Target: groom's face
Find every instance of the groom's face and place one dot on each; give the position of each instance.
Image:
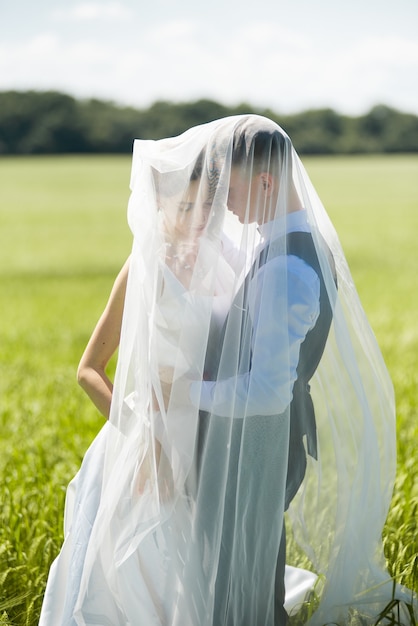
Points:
(240, 196)
(247, 196)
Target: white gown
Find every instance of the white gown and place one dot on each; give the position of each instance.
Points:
(145, 581)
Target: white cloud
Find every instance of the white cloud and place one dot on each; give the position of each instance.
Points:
(389, 50)
(46, 62)
(370, 71)
(266, 35)
(262, 63)
(89, 11)
(173, 32)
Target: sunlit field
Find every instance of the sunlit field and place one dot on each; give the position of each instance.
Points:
(64, 235)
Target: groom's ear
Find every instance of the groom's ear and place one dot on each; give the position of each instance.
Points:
(267, 183)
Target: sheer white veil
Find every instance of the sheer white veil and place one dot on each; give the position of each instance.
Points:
(198, 457)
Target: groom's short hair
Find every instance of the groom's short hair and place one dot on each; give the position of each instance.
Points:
(260, 151)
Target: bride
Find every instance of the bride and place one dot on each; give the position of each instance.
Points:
(248, 385)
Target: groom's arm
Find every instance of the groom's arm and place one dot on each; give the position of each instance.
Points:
(281, 319)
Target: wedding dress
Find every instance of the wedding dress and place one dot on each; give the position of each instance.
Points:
(149, 594)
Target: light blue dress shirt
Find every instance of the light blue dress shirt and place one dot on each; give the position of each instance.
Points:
(267, 388)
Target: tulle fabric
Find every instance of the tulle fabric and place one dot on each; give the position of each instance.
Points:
(196, 476)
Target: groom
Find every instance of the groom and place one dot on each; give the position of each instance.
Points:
(261, 181)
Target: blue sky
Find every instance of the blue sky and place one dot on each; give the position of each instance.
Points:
(289, 55)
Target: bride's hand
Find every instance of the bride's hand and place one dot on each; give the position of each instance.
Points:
(181, 387)
(155, 473)
(166, 374)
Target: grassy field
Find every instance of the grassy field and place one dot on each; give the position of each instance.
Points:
(63, 238)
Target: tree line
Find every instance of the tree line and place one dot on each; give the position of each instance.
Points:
(51, 122)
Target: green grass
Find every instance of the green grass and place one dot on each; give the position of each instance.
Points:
(63, 238)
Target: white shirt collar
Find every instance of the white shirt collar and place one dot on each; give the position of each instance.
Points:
(291, 222)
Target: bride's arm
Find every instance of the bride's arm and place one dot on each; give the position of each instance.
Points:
(91, 373)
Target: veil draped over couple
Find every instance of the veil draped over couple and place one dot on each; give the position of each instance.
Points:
(248, 460)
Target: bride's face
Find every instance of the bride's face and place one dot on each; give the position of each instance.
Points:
(186, 215)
